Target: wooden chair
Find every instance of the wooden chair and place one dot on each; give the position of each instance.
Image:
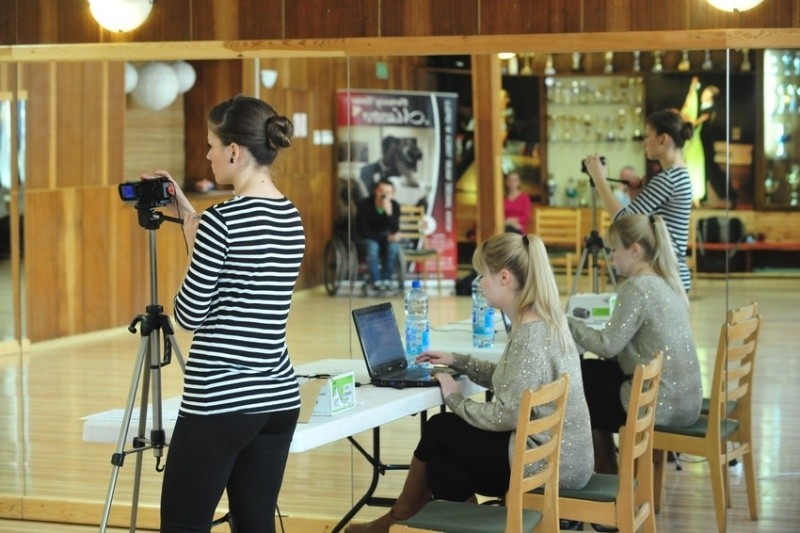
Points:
(711, 436)
(459, 517)
(560, 231)
(734, 316)
(413, 228)
(624, 501)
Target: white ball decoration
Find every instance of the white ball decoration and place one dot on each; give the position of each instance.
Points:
(186, 75)
(157, 87)
(131, 78)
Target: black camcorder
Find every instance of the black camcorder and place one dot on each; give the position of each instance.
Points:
(583, 164)
(148, 194)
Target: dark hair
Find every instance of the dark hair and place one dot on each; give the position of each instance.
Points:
(251, 123)
(671, 122)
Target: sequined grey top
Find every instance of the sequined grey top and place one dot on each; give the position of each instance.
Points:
(650, 317)
(532, 358)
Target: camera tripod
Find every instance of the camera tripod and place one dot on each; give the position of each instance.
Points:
(593, 246)
(147, 369)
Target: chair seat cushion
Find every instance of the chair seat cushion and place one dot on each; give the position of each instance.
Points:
(601, 488)
(457, 517)
(729, 406)
(699, 428)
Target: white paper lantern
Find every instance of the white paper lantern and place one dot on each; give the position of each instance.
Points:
(186, 75)
(735, 6)
(131, 78)
(120, 15)
(157, 87)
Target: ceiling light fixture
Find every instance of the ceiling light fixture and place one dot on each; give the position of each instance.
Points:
(734, 6)
(120, 15)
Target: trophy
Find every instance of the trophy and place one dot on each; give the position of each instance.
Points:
(771, 186)
(657, 66)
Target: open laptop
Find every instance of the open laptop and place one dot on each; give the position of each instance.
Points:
(384, 354)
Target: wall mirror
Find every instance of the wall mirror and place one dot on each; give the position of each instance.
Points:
(85, 466)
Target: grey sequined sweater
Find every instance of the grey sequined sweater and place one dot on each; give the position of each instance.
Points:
(649, 317)
(531, 359)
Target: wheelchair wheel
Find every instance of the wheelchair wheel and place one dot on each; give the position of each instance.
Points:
(334, 266)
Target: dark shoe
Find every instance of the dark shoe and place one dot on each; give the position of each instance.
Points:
(598, 527)
(570, 525)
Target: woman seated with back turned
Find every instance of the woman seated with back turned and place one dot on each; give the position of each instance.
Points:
(651, 315)
(467, 451)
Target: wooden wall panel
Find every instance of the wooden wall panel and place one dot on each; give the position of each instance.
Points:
(38, 80)
(543, 16)
(154, 140)
(69, 131)
(69, 21)
(261, 19)
(423, 17)
(328, 19)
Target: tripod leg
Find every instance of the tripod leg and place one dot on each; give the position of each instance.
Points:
(610, 269)
(579, 271)
(137, 476)
(119, 456)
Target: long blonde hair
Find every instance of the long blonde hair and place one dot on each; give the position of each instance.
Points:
(526, 258)
(651, 234)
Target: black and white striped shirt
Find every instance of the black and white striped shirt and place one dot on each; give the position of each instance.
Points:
(669, 194)
(236, 299)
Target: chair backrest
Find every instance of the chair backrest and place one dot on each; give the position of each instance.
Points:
(742, 313)
(636, 442)
(733, 371)
(412, 223)
(548, 453)
(559, 228)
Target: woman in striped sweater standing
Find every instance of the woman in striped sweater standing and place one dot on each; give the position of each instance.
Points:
(668, 193)
(240, 398)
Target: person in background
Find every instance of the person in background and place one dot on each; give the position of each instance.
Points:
(651, 315)
(516, 204)
(378, 227)
(241, 397)
(628, 175)
(467, 451)
(668, 193)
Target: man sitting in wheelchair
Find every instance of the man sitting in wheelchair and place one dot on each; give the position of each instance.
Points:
(378, 228)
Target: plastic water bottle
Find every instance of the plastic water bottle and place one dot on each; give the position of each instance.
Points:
(417, 323)
(482, 318)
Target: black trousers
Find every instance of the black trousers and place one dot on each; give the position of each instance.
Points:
(245, 454)
(602, 379)
(463, 460)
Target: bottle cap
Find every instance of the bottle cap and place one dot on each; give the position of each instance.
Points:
(416, 284)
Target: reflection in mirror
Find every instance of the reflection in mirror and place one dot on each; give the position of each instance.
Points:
(320, 326)
(12, 442)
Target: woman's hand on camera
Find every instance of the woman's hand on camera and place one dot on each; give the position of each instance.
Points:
(595, 167)
(436, 358)
(181, 207)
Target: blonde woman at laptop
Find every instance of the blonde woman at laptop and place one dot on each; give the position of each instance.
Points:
(466, 452)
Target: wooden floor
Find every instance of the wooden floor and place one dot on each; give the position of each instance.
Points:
(62, 479)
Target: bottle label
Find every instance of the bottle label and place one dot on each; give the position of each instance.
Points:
(482, 326)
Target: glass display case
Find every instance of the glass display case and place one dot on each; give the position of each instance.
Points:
(591, 114)
(779, 187)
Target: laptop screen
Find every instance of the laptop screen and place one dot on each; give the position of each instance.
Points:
(379, 336)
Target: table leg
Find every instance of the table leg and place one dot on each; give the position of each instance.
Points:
(378, 469)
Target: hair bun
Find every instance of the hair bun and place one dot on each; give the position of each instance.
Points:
(278, 131)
